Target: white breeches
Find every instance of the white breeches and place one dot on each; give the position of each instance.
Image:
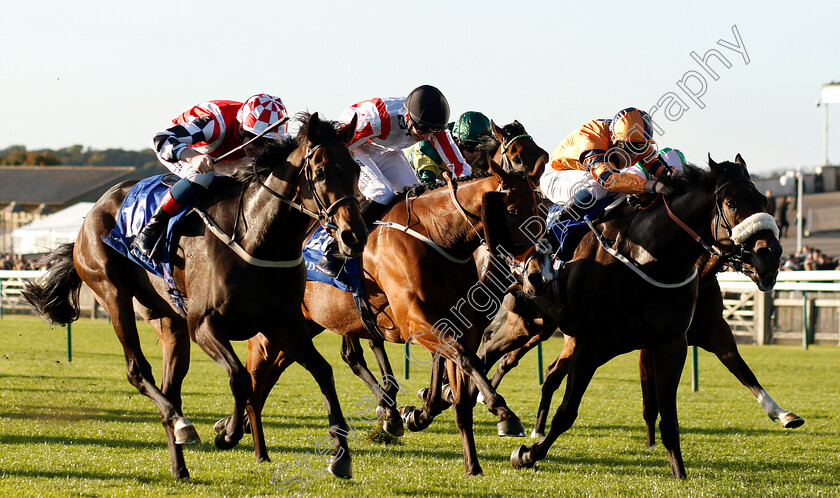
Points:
(185, 170)
(384, 172)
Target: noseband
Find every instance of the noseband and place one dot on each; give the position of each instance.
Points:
(325, 213)
(738, 234)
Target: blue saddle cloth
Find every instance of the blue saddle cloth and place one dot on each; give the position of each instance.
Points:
(349, 278)
(569, 232)
(137, 208)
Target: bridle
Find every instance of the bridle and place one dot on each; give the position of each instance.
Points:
(505, 145)
(325, 214)
(735, 256)
(515, 262)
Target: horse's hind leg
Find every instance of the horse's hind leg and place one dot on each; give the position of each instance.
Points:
(650, 405)
(553, 378)
(582, 367)
(463, 408)
(668, 363)
(175, 346)
(179, 430)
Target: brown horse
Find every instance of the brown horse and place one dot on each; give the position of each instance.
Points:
(636, 310)
(229, 294)
(412, 287)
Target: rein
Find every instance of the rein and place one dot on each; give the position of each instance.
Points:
(324, 214)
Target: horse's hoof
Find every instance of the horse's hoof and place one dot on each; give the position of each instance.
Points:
(341, 467)
(181, 474)
(535, 434)
(446, 394)
(480, 398)
(511, 427)
(791, 421)
(223, 443)
(185, 433)
(394, 427)
(246, 425)
(519, 459)
(263, 459)
(422, 393)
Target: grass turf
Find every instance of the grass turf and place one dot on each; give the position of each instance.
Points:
(80, 429)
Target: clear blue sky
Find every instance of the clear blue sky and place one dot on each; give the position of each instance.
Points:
(111, 74)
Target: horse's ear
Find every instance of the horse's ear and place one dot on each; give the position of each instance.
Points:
(496, 131)
(348, 131)
(517, 123)
(497, 170)
(740, 160)
(313, 128)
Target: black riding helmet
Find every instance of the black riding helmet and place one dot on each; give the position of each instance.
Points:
(427, 108)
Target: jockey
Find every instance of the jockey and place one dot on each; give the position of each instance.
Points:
(469, 131)
(384, 128)
(595, 161)
(190, 145)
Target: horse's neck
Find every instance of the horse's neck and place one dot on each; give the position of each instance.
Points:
(443, 221)
(267, 225)
(659, 244)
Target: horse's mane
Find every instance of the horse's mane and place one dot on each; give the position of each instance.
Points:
(278, 150)
(692, 176)
(420, 188)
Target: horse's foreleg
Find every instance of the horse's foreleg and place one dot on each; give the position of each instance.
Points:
(351, 353)
(553, 378)
(463, 408)
(300, 346)
(212, 340)
(718, 339)
(668, 363)
(650, 405)
(582, 367)
(392, 422)
(433, 404)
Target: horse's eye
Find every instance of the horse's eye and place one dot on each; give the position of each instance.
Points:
(731, 204)
(320, 174)
(517, 159)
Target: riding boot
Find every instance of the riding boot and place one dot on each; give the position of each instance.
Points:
(147, 241)
(331, 262)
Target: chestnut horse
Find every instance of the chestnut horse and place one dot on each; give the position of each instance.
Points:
(414, 290)
(229, 294)
(635, 310)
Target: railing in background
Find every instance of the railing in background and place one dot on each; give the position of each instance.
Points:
(804, 307)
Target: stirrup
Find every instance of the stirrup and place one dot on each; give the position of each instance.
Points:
(330, 264)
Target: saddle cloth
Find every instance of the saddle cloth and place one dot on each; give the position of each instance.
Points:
(138, 207)
(349, 279)
(569, 232)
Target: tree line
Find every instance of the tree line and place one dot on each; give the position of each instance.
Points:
(77, 155)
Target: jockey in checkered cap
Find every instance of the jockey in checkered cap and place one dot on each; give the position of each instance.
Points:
(194, 139)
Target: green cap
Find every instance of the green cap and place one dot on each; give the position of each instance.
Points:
(472, 126)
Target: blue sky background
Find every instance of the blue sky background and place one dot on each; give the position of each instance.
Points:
(111, 74)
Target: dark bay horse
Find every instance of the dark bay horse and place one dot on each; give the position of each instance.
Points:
(708, 330)
(421, 295)
(228, 295)
(606, 309)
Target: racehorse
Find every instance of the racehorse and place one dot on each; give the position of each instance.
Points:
(512, 147)
(229, 294)
(606, 309)
(412, 286)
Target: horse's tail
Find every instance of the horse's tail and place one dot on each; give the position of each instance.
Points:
(55, 297)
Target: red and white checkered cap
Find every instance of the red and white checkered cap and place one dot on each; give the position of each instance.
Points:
(260, 111)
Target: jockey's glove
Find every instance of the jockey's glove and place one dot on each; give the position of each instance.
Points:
(657, 187)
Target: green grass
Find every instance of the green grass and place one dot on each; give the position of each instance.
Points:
(80, 429)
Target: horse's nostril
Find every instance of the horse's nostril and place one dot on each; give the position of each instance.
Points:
(351, 239)
(536, 279)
